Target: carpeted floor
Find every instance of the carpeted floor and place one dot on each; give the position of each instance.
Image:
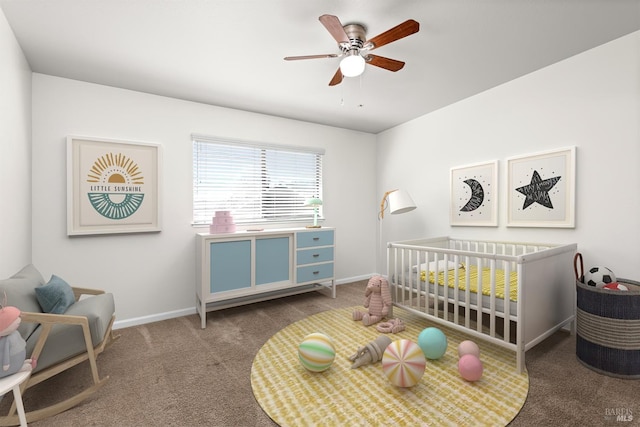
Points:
(172, 373)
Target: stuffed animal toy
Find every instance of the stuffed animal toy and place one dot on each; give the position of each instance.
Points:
(377, 300)
(371, 352)
(392, 326)
(12, 345)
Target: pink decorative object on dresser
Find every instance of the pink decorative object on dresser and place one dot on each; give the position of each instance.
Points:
(222, 222)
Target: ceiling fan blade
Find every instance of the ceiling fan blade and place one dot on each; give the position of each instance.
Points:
(386, 63)
(399, 31)
(333, 25)
(337, 78)
(295, 58)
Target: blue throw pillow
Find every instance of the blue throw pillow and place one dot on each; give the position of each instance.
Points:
(56, 296)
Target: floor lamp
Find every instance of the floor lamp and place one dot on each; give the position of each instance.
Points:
(398, 202)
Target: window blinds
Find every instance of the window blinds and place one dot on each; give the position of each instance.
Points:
(257, 182)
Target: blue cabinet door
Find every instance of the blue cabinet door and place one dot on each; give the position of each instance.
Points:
(230, 265)
(272, 260)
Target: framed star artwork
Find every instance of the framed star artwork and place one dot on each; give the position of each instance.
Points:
(541, 189)
(474, 195)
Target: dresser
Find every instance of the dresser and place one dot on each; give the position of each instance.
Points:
(249, 266)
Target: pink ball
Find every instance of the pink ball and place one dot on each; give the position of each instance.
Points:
(468, 347)
(470, 367)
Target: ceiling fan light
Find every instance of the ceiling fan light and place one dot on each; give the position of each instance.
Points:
(352, 65)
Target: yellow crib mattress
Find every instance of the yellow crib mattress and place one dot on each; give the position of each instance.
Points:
(473, 281)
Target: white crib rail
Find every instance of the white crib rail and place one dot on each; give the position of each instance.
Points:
(456, 308)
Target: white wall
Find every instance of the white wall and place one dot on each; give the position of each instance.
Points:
(15, 154)
(155, 273)
(591, 101)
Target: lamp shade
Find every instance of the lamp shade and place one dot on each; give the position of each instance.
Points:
(352, 65)
(400, 202)
(313, 202)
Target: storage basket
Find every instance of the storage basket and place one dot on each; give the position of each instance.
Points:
(608, 329)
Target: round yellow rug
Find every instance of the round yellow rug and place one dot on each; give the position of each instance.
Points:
(341, 396)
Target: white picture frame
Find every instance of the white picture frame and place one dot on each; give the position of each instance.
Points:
(113, 186)
(474, 195)
(541, 189)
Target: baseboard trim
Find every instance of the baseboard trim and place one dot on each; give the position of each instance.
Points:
(143, 320)
(137, 321)
(353, 279)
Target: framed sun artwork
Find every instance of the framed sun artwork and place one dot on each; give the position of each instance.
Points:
(112, 186)
(541, 189)
(474, 195)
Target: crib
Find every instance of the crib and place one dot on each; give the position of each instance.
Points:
(511, 294)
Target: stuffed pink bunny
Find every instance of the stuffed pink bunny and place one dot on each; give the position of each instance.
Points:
(377, 300)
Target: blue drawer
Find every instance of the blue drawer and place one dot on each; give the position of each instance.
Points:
(311, 256)
(315, 273)
(307, 239)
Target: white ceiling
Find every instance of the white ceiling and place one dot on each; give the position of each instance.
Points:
(230, 52)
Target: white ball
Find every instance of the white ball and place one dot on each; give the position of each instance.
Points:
(468, 347)
(599, 276)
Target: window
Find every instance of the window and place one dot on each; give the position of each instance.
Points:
(257, 182)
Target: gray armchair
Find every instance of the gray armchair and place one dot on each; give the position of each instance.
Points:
(71, 334)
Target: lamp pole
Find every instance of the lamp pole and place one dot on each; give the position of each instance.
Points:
(398, 203)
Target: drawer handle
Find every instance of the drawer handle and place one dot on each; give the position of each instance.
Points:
(316, 272)
(316, 255)
(316, 238)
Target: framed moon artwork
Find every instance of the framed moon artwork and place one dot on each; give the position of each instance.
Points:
(112, 186)
(541, 189)
(474, 195)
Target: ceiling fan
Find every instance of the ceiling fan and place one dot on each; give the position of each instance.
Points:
(355, 48)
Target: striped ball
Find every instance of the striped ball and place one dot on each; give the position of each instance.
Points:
(403, 363)
(316, 352)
